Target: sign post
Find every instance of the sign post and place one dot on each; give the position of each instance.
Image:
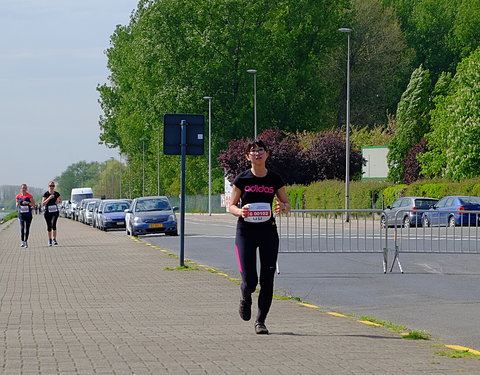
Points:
(183, 135)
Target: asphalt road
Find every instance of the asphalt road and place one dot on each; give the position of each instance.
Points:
(438, 293)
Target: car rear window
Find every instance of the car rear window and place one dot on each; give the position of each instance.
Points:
(425, 202)
(470, 200)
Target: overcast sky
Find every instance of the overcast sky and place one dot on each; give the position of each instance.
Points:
(51, 61)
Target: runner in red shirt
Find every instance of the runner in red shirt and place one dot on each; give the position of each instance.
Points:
(24, 203)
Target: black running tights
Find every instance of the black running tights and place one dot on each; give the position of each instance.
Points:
(248, 238)
(25, 221)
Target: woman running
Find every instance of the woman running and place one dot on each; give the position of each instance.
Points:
(253, 194)
(24, 203)
(50, 200)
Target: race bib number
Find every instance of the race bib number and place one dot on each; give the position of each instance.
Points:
(24, 209)
(258, 212)
(53, 208)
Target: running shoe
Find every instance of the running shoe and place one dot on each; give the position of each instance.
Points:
(50, 243)
(55, 242)
(23, 244)
(26, 244)
(245, 308)
(260, 329)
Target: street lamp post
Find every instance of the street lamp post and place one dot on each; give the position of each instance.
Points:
(347, 130)
(158, 161)
(209, 98)
(254, 72)
(143, 166)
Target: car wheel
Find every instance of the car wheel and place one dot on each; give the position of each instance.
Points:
(172, 233)
(425, 221)
(383, 221)
(126, 230)
(451, 221)
(406, 222)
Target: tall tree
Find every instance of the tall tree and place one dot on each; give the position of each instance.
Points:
(174, 52)
(456, 118)
(380, 63)
(412, 121)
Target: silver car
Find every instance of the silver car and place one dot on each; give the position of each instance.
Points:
(402, 211)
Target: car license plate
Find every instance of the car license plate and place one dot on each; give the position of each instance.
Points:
(120, 223)
(156, 225)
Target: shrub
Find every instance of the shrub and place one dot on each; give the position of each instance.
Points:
(411, 164)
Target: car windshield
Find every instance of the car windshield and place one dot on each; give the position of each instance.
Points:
(425, 202)
(152, 205)
(470, 200)
(116, 207)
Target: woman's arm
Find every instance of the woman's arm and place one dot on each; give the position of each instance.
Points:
(235, 198)
(282, 205)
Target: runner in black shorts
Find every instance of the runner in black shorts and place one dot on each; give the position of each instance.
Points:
(252, 198)
(50, 200)
(24, 203)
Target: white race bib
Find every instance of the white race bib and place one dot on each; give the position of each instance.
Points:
(24, 209)
(52, 208)
(258, 212)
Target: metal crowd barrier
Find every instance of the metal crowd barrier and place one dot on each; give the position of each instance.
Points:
(362, 231)
(436, 234)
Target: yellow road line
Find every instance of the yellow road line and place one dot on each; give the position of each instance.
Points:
(369, 323)
(308, 305)
(336, 314)
(458, 347)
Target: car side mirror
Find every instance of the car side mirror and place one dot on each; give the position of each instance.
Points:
(175, 208)
(389, 207)
(128, 211)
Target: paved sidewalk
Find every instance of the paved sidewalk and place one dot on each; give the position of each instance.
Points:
(101, 303)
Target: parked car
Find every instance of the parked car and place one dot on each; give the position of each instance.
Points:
(148, 215)
(111, 214)
(447, 212)
(89, 212)
(407, 218)
(81, 208)
(94, 213)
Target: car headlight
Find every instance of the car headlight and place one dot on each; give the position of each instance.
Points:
(172, 218)
(108, 219)
(138, 220)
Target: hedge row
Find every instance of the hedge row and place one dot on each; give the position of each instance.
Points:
(330, 194)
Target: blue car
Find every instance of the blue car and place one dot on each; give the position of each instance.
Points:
(148, 215)
(448, 212)
(111, 214)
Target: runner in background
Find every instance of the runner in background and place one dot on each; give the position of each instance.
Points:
(24, 203)
(253, 195)
(50, 200)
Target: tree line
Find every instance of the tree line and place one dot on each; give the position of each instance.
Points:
(173, 53)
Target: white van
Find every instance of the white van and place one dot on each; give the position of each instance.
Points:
(75, 198)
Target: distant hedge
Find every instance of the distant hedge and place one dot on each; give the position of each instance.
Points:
(330, 194)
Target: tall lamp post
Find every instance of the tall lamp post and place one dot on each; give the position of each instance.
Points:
(254, 72)
(158, 160)
(209, 98)
(143, 166)
(347, 130)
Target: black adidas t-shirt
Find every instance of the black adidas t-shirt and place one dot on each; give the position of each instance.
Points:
(257, 189)
(51, 206)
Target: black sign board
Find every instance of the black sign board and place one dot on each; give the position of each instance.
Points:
(172, 135)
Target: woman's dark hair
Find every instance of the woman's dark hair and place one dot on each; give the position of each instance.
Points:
(255, 142)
